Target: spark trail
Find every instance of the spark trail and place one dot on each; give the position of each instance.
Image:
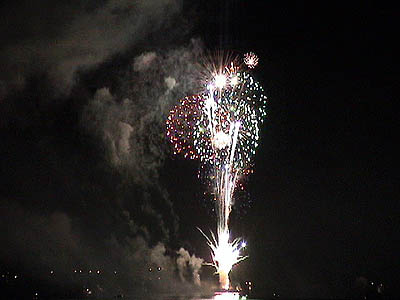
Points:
(220, 127)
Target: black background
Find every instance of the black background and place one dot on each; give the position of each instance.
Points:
(322, 206)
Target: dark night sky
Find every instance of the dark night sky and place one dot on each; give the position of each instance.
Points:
(321, 211)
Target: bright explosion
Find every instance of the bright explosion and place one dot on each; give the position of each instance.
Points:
(220, 127)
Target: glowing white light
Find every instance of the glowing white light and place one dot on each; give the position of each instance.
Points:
(220, 80)
(225, 255)
(234, 80)
(221, 140)
(244, 244)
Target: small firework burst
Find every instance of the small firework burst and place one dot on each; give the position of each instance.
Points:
(251, 60)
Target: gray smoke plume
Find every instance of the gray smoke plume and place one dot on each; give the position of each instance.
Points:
(67, 255)
(88, 197)
(132, 126)
(187, 263)
(62, 37)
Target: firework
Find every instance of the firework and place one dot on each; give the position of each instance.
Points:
(251, 60)
(225, 254)
(220, 127)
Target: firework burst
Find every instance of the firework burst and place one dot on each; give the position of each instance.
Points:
(220, 127)
(251, 60)
(225, 254)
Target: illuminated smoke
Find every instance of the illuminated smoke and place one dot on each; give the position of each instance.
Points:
(187, 263)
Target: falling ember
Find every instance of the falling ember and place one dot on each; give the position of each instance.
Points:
(251, 60)
(220, 127)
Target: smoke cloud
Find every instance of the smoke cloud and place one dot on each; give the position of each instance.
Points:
(82, 192)
(63, 37)
(68, 257)
(144, 61)
(132, 125)
(103, 207)
(186, 262)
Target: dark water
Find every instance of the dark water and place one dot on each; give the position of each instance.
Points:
(174, 298)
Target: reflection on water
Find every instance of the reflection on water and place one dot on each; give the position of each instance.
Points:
(231, 295)
(227, 296)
